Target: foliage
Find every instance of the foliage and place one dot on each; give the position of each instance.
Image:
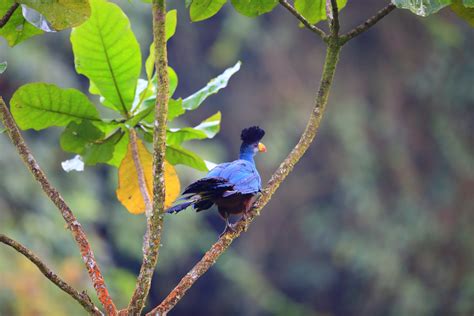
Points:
(107, 53)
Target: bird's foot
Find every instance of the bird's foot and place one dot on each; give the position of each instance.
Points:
(228, 228)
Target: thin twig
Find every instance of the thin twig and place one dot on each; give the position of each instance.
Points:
(312, 127)
(305, 22)
(368, 23)
(81, 298)
(57, 199)
(4, 20)
(152, 239)
(332, 14)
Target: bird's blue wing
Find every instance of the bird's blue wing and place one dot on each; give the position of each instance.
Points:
(241, 173)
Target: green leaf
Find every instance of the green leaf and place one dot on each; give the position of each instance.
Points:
(111, 151)
(17, 29)
(107, 52)
(172, 80)
(422, 7)
(41, 105)
(76, 136)
(463, 12)
(3, 67)
(207, 129)
(204, 9)
(179, 155)
(61, 14)
(254, 8)
(175, 109)
(171, 22)
(194, 101)
(315, 10)
(468, 3)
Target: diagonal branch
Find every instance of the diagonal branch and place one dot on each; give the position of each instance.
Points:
(81, 298)
(57, 199)
(152, 239)
(4, 20)
(368, 23)
(312, 127)
(305, 22)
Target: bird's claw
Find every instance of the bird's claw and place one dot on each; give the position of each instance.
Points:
(228, 228)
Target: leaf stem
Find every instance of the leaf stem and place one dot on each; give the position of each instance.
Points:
(312, 127)
(81, 298)
(53, 194)
(4, 20)
(152, 239)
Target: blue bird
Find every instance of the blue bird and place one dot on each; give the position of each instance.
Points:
(232, 186)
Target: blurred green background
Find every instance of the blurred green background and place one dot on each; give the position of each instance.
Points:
(377, 218)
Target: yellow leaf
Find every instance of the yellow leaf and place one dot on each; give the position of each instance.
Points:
(128, 191)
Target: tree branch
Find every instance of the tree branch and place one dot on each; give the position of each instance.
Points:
(81, 298)
(57, 199)
(302, 19)
(368, 24)
(4, 20)
(332, 13)
(312, 127)
(152, 239)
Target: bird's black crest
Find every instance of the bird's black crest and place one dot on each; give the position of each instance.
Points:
(252, 134)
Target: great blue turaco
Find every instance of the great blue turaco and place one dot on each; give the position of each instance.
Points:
(232, 186)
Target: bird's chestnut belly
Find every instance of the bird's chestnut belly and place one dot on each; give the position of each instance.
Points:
(234, 204)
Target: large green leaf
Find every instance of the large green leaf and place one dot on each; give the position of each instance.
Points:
(17, 29)
(179, 155)
(107, 52)
(463, 12)
(254, 7)
(207, 129)
(59, 13)
(315, 10)
(41, 105)
(204, 9)
(194, 101)
(422, 7)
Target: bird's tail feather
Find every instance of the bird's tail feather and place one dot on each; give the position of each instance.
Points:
(178, 208)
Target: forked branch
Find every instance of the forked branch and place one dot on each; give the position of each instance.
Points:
(81, 298)
(71, 221)
(312, 127)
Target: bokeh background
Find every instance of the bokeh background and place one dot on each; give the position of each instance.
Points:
(377, 218)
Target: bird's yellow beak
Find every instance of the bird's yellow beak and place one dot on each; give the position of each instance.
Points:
(262, 148)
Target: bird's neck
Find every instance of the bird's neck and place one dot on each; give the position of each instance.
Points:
(247, 156)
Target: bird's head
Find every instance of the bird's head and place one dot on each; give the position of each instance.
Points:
(251, 142)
